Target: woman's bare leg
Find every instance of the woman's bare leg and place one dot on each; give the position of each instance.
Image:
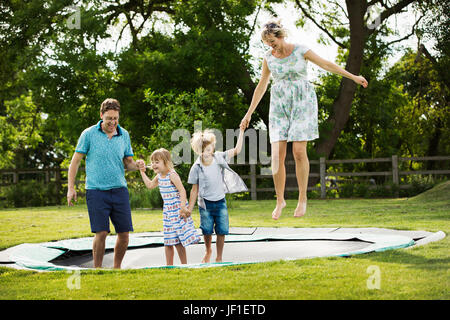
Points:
(279, 175)
(302, 173)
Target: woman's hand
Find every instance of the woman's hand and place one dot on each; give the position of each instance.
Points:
(361, 80)
(245, 122)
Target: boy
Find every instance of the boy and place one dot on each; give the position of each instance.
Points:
(211, 178)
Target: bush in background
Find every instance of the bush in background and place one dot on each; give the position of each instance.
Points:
(141, 197)
(31, 194)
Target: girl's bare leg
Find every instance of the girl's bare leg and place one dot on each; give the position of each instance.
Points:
(169, 255)
(181, 253)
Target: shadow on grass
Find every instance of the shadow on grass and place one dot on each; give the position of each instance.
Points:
(408, 258)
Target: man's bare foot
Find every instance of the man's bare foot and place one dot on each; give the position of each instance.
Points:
(207, 257)
(277, 211)
(300, 210)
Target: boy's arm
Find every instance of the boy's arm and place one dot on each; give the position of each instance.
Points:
(237, 149)
(193, 197)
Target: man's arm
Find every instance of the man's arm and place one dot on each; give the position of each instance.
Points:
(73, 169)
(130, 164)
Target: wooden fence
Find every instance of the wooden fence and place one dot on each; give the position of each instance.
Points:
(11, 176)
(324, 174)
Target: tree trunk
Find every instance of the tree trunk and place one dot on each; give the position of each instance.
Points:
(343, 102)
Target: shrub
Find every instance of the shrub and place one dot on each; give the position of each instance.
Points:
(31, 194)
(346, 190)
(145, 198)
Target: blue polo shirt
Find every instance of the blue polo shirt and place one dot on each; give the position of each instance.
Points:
(104, 157)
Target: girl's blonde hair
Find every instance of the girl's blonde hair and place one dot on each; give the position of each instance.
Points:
(275, 28)
(164, 156)
(200, 140)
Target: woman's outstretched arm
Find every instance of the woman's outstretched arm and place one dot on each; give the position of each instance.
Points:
(334, 68)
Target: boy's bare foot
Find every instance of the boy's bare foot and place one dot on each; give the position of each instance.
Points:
(300, 210)
(277, 211)
(207, 257)
(218, 259)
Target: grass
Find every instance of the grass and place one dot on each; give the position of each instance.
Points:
(417, 273)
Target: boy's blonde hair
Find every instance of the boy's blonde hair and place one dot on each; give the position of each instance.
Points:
(200, 140)
(164, 156)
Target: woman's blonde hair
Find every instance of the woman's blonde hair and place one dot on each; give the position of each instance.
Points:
(200, 140)
(164, 156)
(275, 28)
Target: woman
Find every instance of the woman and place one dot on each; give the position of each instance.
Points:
(293, 107)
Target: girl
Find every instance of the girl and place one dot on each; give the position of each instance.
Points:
(179, 230)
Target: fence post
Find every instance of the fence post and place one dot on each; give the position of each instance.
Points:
(58, 183)
(323, 186)
(16, 176)
(253, 182)
(47, 175)
(395, 178)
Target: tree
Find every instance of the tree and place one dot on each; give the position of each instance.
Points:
(20, 131)
(424, 122)
(68, 75)
(207, 49)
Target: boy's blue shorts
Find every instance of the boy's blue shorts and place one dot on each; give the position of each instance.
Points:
(105, 204)
(215, 216)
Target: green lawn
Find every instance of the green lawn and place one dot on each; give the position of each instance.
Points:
(418, 273)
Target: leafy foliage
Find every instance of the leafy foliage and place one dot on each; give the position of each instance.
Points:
(197, 68)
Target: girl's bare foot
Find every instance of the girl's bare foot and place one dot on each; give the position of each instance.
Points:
(300, 210)
(277, 211)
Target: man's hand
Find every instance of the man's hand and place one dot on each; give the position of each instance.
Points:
(71, 194)
(141, 165)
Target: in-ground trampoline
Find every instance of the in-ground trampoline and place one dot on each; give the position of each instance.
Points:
(243, 245)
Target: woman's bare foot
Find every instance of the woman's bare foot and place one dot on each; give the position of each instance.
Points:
(277, 211)
(300, 210)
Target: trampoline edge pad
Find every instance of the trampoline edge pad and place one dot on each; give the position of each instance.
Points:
(38, 256)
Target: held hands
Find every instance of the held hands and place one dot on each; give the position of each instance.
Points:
(185, 213)
(141, 165)
(245, 122)
(361, 80)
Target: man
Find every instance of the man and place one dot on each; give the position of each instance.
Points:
(108, 153)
